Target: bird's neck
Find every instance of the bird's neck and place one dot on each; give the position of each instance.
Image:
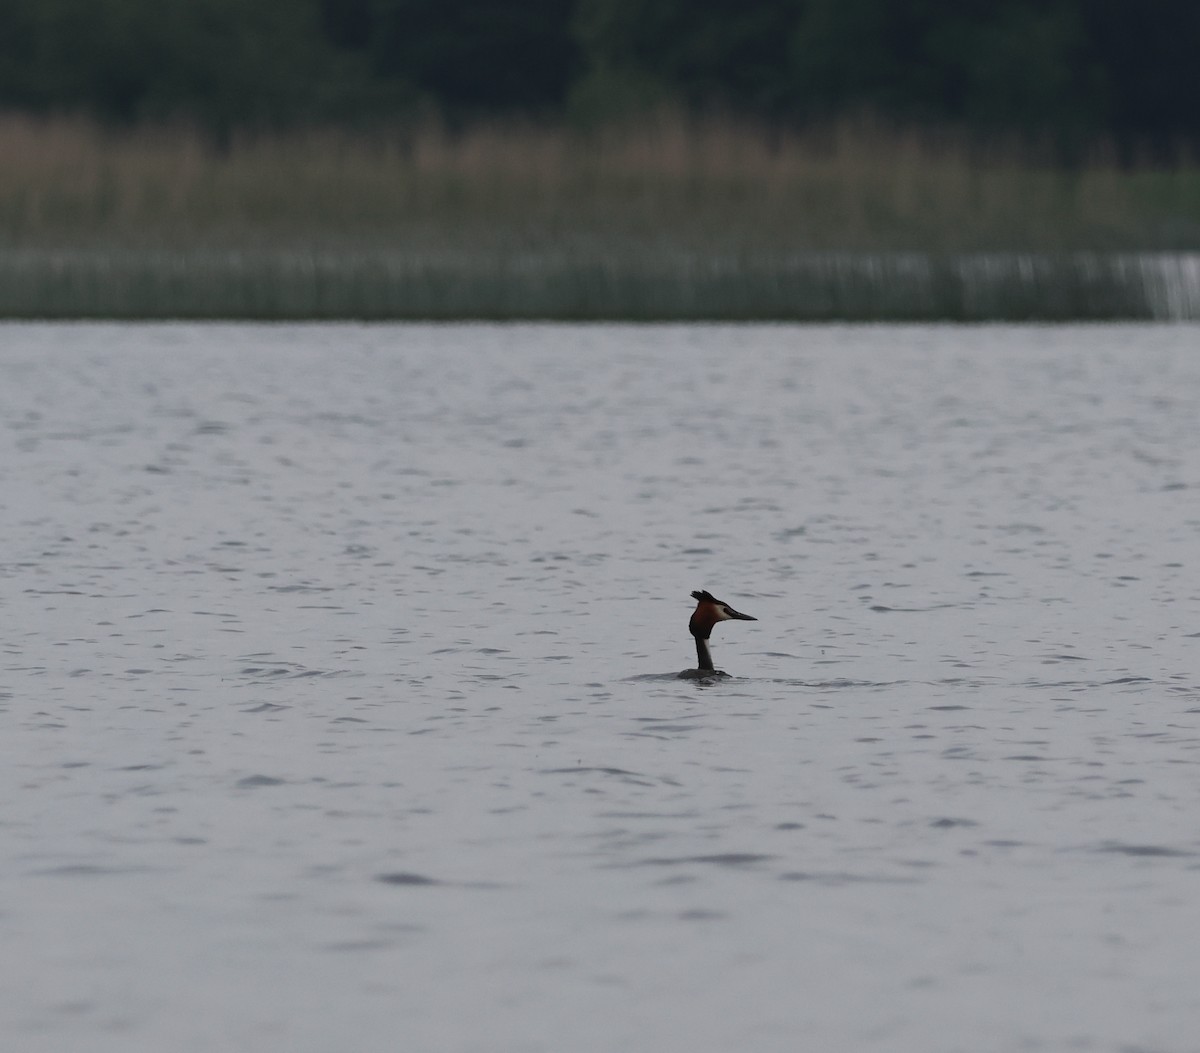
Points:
(703, 658)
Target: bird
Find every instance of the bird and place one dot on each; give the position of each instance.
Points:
(709, 610)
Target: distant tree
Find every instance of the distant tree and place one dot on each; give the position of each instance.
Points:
(1015, 65)
(1074, 68)
(21, 35)
(251, 62)
(707, 52)
(223, 63)
(1148, 55)
(477, 54)
(348, 23)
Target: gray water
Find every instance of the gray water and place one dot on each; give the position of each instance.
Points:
(340, 711)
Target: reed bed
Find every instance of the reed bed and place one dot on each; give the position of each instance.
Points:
(133, 284)
(665, 218)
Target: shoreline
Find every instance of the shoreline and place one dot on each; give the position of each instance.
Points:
(393, 285)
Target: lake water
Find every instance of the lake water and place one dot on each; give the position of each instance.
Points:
(340, 712)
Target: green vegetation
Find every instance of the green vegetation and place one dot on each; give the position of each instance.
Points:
(808, 287)
(1069, 69)
(598, 158)
(669, 185)
(666, 218)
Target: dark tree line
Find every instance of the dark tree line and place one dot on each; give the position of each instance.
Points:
(1127, 68)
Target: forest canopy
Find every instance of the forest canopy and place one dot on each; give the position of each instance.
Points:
(1083, 68)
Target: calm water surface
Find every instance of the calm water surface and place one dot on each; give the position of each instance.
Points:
(339, 709)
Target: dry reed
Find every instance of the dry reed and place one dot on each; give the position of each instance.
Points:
(714, 186)
(669, 218)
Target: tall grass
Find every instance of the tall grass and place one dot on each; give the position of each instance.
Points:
(707, 212)
(715, 184)
(133, 284)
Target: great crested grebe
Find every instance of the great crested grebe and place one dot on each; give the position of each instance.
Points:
(709, 610)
